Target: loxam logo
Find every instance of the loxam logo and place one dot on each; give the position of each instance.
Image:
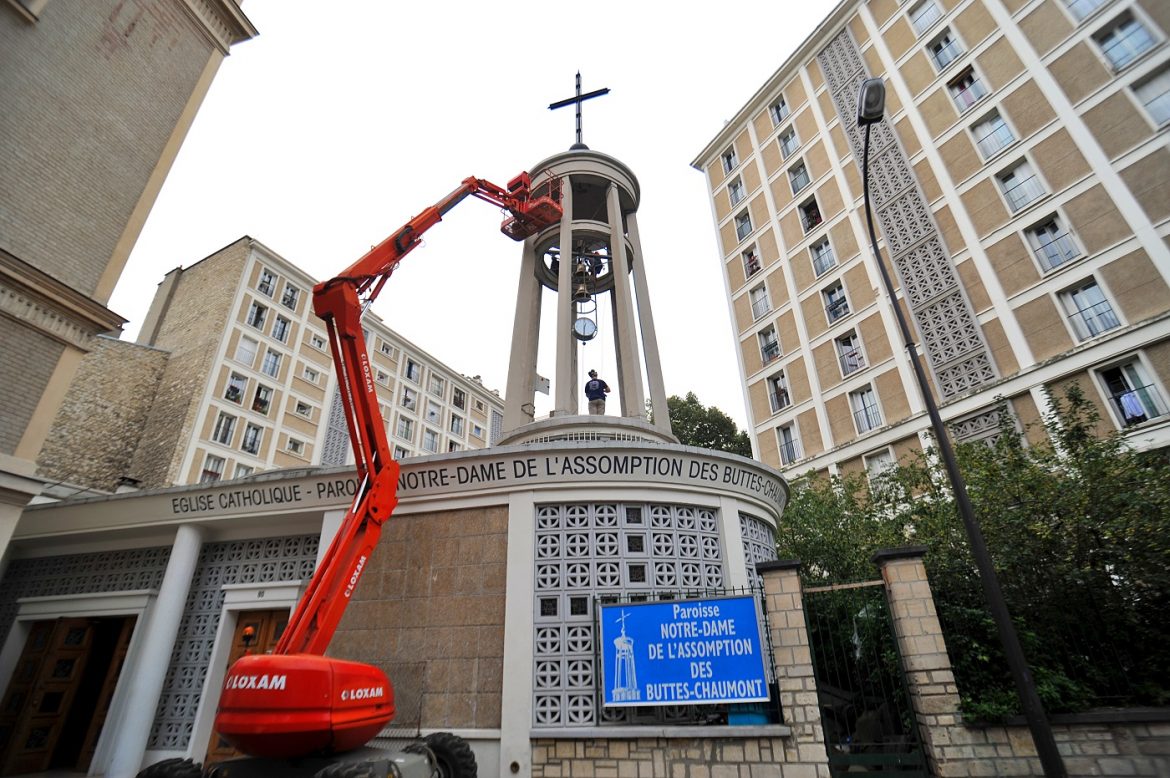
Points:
(367, 693)
(357, 573)
(366, 373)
(272, 682)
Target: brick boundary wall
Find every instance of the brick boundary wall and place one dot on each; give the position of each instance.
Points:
(1099, 747)
(796, 751)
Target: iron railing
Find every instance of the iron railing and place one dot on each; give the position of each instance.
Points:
(1094, 320)
(1056, 250)
(779, 399)
(1139, 404)
(867, 418)
(770, 351)
(837, 308)
(1023, 192)
(997, 138)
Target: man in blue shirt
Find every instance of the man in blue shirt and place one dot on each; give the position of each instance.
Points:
(596, 390)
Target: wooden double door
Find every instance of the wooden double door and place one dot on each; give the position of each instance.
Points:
(60, 693)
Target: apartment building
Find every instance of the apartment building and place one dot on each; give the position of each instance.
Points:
(1019, 184)
(240, 378)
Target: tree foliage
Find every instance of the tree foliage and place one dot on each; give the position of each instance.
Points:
(706, 426)
(1078, 527)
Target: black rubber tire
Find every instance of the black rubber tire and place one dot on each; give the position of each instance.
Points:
(455, 758)
(172, 768)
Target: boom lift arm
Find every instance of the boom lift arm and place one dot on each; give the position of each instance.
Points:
(320, 712)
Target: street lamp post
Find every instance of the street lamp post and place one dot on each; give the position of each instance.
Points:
(870, 107)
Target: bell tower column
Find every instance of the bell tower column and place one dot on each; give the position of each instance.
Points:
(566, 377)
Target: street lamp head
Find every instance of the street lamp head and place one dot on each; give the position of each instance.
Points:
(871, 101)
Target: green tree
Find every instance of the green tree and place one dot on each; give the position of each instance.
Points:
(706, 426)
(1079, 529)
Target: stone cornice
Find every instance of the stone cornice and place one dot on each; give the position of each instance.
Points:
(221, 22)
(41, 302)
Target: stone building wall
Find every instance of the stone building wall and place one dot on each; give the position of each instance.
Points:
(1093, 744)
(101, 421)
(29, 358)
(192, 332)
(429, 611)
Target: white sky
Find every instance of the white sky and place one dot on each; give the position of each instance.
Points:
(341, 121)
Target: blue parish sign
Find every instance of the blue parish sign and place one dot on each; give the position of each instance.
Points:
(682, 652)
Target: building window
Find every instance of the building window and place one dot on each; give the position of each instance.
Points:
(212, 469)
(235, 388)
(966, 90)
(743, 225)
(822, 257)
(400, 452)
(434, 412)
(1132, 394)
(317, 342)
(246, 350)
(310, 375)
(1081, 9)
(788, 143)
(405, 428)
(267, 282)
(1124, 41)
(760, 303)
(944, 50)
(849, 353)
(476, 430)
(453, 446)
(1052, 243)
(413, 371)
(262, 399)
(243, 471)
(751, 262)
(1020, 186)
(430, 440)
(304, 409)
(789, 445)
(865, 410)
(459, 398)
(225, 426)
(769, 345)
(436, 385)
(478, 406)
(836, 304)
(290, 296)
(1089, 310)
(992, 135)
(735, 191)
(877, 463)
(810, 215)
(924, 15)
(271, 365)
(256, 315)
(387, 349)
(409, 398)
(253, 434)
(778, 392)
(456, 425)
(779, 111)
(281, 328)
(382, 377)
(295, 446)
(1155, 96)
(730, 160)
(798, 177)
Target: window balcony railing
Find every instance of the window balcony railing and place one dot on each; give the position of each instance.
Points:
(1056, 250)
(868, 418)
(799, 180)
(969, 95)
(851, 361)
(770, 351)
(1139, 404)
(1094, 320)
(837, 309)
(788, 146)
(789, 452)
(810, 218)
(1082, 8)
(1023, 192)
(751, 266)
(736, 194)
(760, 306)
(927, 16)
(996, 140)
(1129, 42)
(945, 55)
(823, 261)
(743, 229)
(779, 399)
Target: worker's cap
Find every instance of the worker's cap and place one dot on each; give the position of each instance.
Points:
(593, 374)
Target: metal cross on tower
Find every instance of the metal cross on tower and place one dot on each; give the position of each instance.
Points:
(578, 99)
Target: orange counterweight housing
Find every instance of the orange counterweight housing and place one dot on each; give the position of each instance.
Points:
(301, 704)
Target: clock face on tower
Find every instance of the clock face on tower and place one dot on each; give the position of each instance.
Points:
(584, 329)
